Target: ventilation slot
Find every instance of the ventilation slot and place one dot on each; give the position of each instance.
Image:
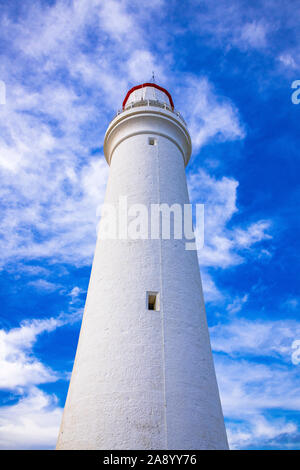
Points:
(153, 300)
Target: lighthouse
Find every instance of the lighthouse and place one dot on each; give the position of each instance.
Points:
(143, 375)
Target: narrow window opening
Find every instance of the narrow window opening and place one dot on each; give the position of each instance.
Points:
(152, 141)
(153, 300)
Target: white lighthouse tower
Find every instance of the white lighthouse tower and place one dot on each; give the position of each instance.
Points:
(143, 376)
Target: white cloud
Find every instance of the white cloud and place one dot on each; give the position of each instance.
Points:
(252, 34)
(235, 25)
(256, 338)
(32, 270)
(210, 290)
(237, 304)
(141, 64)
(254, 233)
(115, 20)
(19, 368)
(288, 60)
(75, 293)
(223, 247)
(251, 389)
(209, 116)
(43, 285)
(248, 388)
(258, 431)
(32, 423)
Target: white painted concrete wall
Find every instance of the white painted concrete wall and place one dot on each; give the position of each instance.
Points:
(144, 379)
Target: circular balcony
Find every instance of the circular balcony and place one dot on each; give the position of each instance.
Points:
(150, 102)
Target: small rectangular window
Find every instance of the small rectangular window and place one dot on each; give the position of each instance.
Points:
(152, 141)
(153, 300)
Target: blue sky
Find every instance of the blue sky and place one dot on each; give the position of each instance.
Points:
(229, 67)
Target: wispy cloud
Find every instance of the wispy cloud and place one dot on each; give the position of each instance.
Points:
(209, 116)
(256, 338)
(55, 186)
(250, 392)
(223, 246)
(259, 432)
(31, 423)
(250, 388)
(237, 304)
(74, 63)
(19, 368)
(44, 285)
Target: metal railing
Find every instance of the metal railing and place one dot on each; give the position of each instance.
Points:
(157, 103)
